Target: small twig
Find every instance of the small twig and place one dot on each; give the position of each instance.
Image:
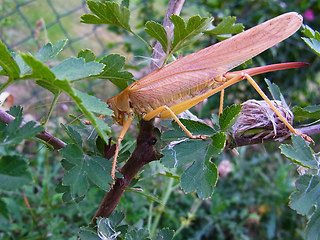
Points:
(45, 136)
(158, 54)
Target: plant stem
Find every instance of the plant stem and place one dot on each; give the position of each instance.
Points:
(54, 101)
(142, 40)
(165, 197)
(195, 206)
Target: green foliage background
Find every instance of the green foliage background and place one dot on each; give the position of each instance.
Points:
(251, 202)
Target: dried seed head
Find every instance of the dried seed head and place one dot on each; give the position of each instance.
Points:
(259, 115)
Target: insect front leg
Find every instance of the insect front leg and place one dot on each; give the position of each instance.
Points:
(122, 133)
(161, 109)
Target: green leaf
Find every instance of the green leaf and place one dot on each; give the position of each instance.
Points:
(185, 151)
(307, 196)
(74, 69)
(13, 173)
(312, 39)
(13, 134)
(229, 117)
(41, 73)
(202, 175)
(9, 66)
(307, 113)
(50, 51)
(312, 229)
(164, 234)
(93, 168)
(140, 234)
(157, 31)
(89, 105)
(195, 127)
(107, 13)
(88, 234)
(113, 64)
(226, 26)
(184, 34)
(201, 178)
(73, 134)
(93, 104)
(87, 54)
(116, 218)
(299, 152)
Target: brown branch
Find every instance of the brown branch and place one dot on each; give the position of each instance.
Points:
(45, 136)
(143, 153)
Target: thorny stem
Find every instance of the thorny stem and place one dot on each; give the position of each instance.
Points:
(45, 136)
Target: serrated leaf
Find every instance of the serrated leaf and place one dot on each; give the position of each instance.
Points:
(93, 104)
(9, 66)
(276, 93)
(74, 69)
(49, 51)
(116, 218)
(73, 134)
(88, 105)
(299, 152)
(14, 134)
(164, 234)
(229, 116)
(202, 175)
(195, 127)
(107, 13)
(140, 234)
(41, 73)
(313, 39)
(158, 32)
(201, 178)
(184, 34)
(85, 167)
(87, 55)
(185, 151)
(307, 195)
(13, 172)
(112, 70)
(88, 234)
(312, 229)
(226, 26)
(307, 113)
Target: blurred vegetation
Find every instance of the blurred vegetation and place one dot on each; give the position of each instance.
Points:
(251, 202)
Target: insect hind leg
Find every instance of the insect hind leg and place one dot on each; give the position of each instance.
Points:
(283, 119)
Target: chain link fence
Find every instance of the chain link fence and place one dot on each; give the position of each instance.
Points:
(28, 24)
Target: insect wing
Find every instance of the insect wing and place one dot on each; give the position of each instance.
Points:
(218, 59)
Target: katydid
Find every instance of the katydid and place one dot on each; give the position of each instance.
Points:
(189, 80)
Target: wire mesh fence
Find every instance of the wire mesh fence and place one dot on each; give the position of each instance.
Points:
(28, 24)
